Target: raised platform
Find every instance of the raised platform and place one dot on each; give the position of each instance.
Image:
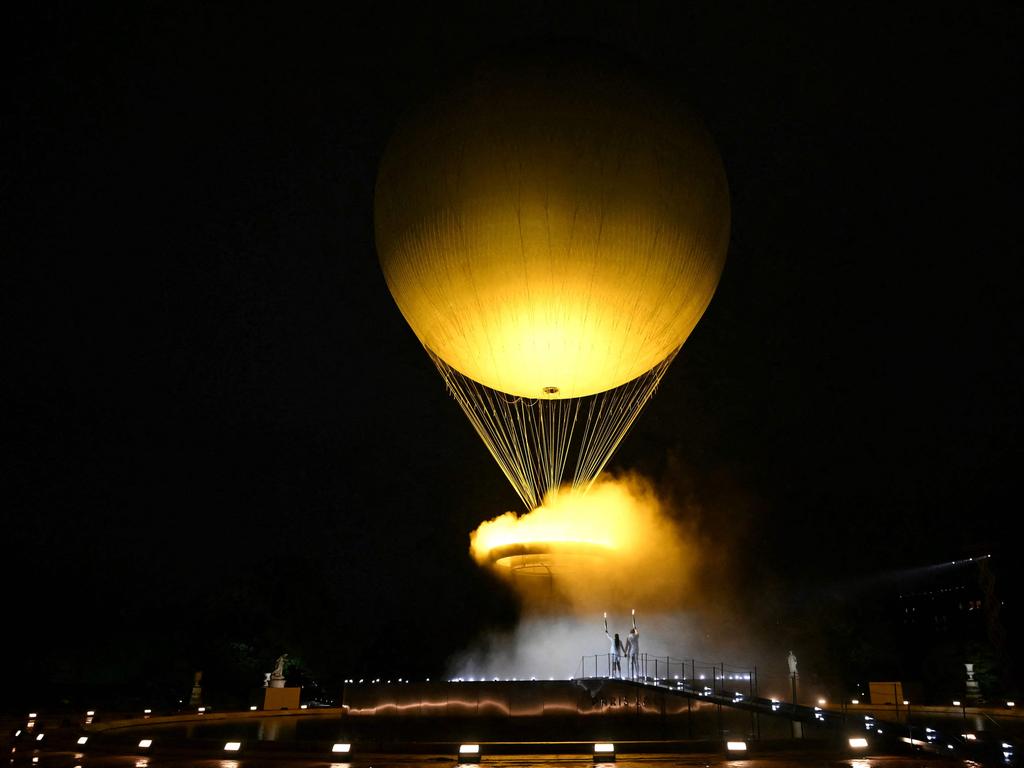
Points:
(562, 717)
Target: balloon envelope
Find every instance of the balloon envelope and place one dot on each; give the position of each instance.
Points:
(552, 231)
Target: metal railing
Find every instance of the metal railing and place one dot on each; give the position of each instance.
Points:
(664, 670)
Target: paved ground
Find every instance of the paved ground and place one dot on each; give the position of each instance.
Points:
(27, 759)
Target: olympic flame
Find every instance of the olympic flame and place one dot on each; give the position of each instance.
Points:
(645, 558)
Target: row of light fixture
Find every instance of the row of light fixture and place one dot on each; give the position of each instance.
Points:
(230, 746)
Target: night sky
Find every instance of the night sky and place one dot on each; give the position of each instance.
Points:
(222, 440)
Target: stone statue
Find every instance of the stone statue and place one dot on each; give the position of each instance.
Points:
(792, 664)
(276, 679)
(279, 665)
(266, 679)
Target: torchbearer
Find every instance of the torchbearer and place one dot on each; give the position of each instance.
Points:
(615, 652)
(633, 650)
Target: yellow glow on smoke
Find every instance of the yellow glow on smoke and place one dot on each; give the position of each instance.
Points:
(616, 545)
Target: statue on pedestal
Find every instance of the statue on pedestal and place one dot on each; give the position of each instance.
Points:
(196, 699)
(973, 689)
(798, 729)
(277, 676)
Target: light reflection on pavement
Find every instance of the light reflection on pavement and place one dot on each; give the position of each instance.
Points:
(779, 760)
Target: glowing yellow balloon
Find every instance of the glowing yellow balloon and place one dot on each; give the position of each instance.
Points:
(553, 231)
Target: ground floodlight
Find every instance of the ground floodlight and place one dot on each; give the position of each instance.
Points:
(906, 703)
(232, 746)
(252, 708)
(83, 739)
(956, 703)
(736, 746)
(604, 749)
(858, 742)
(32, 715)
(469, 749)
(201, 710)
(821, 702)
(855, 701)
(145, 743)
(1011, 704)
(969, 736)
(91, 713)
(341, 748)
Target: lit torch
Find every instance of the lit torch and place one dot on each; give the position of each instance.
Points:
(606, 622)
(634, 618)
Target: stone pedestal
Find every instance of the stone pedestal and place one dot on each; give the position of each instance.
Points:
(276, 682)
(280, 697)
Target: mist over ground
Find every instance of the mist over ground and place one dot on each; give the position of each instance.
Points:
(690, 593)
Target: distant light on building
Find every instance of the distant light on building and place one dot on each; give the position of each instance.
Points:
(969, 736)
(821, 702)
(855, 701)
(39, 737)
(91, 713)
(32, 715)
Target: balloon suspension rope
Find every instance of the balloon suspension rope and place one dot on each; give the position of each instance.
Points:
(534, 441)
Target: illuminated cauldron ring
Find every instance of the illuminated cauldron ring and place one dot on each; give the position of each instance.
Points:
(545, 558)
